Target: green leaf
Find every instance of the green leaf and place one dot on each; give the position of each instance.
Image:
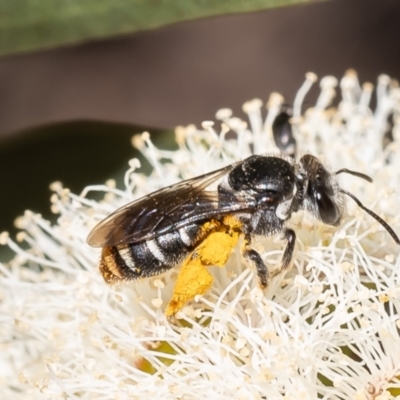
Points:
(27, 25)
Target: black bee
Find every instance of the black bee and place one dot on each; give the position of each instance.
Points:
(283, 133)
(153, 234)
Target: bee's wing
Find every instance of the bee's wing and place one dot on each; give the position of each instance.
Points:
(165, 210)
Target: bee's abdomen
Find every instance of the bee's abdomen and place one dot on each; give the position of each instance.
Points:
(151, 257)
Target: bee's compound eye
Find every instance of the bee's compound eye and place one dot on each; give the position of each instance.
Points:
(328, 210)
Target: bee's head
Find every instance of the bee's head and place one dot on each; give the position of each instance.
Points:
(321, 195)
(320, 192)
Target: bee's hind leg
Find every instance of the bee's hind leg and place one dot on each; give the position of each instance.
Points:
(255, 258)
(287, 257)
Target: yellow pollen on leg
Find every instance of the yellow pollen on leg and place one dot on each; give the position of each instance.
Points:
(194, 278)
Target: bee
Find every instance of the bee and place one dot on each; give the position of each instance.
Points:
(283, 132)
(151, 235)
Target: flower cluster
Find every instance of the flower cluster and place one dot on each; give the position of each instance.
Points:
(327, 329)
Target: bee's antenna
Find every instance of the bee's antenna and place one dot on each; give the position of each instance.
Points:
(372, 214)
(355, 173)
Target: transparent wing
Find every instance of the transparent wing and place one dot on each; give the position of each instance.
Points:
(159, 212)
(171, 208)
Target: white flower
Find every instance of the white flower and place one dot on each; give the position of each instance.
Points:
(327, 329)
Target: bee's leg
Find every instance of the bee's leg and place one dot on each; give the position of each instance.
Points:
(287, 257)
(255, 258)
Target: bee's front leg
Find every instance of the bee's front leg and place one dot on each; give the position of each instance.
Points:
(255, 258)
(290, 237)
(262, 271)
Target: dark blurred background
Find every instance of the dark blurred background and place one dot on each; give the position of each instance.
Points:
(177, 75)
